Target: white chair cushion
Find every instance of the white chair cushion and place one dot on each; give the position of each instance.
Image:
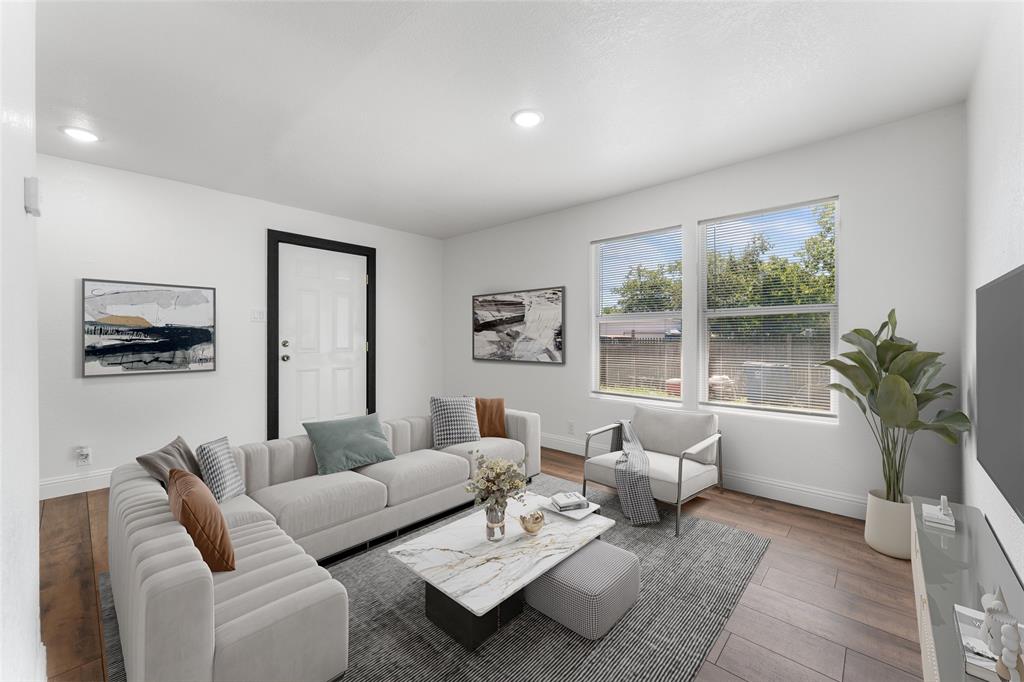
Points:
(490, 448)
(416, 474)
(672, 431)
(307, 505)
(663, 471)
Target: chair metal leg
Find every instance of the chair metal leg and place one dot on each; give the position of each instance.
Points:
(584, 486)
(679, 507)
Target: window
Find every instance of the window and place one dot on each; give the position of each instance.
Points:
(769, 308)
(638, 317)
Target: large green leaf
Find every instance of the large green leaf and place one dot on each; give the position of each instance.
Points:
(926, 376)
(892, 323)
(852, 373)
(890, 349)
(867, 346)
(878, 334)
(911, 364)
(948, 434)
(896, 402)
(956, 420)
(858, 358)
(930, 395)
(845, 390)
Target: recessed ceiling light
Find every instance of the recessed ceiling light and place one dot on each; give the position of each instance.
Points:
(80, 134)
(527, 118)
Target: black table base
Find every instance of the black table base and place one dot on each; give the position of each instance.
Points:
(464, 626)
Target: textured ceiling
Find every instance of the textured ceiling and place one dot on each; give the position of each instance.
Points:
(398, 113)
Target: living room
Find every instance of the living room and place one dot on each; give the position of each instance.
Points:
(379, 281)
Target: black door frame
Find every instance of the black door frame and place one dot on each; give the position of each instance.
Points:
(274, 239)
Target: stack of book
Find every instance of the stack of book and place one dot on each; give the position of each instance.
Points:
(568, 501)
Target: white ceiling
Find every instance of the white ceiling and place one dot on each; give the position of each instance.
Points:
(398, 113)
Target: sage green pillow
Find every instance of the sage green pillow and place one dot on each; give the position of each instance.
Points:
(343, 444)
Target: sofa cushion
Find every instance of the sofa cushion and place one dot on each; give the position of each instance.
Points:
(345, 444)
(663, 470)
(309, 504)
(490, 413)
(453, 419)
(417, 474)
(490, 448)
(194, 507)
(241, 510)
(175, 455)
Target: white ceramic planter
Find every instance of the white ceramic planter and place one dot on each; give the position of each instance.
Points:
(887, 526)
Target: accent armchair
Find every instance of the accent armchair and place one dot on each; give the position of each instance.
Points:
(684, 454)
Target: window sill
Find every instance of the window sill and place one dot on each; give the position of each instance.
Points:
(767, 413)
(664, 403)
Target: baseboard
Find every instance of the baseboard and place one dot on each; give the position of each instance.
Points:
(69, 484)
(834, 501)
(563, 443)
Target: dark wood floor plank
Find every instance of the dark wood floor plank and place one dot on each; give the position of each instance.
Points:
(859, 551)
(805, 648)
(896, 651)
(901, 599)
(67, 604)
(97, 501)
(867, 611)
(815, 572)
(827, 555)
(860, 668)
(717, 647)
(90, 672)
(709, 672)
(728, 514)
(853, 524)
(749, 661)
(65, 521)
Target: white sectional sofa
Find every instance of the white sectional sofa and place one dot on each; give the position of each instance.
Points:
(278, 615)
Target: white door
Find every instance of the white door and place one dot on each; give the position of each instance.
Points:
(322, 347)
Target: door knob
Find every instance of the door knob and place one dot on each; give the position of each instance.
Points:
(285, 358)
(285, 343)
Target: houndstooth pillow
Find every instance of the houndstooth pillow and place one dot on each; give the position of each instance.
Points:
(220, 473)
(454, 420)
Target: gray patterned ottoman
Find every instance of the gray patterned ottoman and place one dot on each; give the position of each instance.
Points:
(590, 591)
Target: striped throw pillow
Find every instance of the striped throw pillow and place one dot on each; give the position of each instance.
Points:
(220, 473)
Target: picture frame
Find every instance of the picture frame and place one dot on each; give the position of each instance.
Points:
(524, 325)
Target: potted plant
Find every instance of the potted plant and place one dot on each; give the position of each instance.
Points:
(891, 382)
(495, 481)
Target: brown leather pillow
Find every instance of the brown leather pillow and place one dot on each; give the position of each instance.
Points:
(194, 506)
(490, 413)
(175, 455)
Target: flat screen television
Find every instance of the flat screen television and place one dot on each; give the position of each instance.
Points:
(999, 419)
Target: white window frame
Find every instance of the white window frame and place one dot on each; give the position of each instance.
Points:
(704, 314)
(596, 318)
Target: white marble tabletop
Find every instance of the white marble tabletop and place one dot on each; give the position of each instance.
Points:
(458, 559)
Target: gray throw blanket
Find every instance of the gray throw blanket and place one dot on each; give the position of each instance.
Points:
(632, 480)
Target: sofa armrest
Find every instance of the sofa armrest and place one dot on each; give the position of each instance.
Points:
(525, 428)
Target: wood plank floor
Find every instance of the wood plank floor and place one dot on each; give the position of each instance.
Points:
(821, 605)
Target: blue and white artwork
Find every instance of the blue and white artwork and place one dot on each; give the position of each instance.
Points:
(138, 328)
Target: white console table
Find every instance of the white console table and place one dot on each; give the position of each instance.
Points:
(954, 568)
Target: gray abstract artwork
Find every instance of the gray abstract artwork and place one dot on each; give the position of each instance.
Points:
(520, 326)
(137, 328)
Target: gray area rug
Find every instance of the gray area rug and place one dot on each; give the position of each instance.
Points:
(688, 588)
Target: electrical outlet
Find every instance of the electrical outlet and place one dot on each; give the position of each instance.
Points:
(572, 427)
(83, 456)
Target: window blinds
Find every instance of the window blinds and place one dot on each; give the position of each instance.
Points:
(769, 308)
(639, 320)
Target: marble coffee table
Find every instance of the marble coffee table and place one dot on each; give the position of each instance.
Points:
(472, 585)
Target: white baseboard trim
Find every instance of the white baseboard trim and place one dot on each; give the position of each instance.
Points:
(69, 484)
(563, 443)
(834, 501)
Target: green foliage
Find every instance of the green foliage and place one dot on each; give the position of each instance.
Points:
(649, 290)
(891, 383)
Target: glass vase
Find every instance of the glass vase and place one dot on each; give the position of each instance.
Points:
(495, 522)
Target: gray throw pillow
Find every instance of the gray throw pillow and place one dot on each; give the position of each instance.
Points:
(220, 472)
(175, 455)
(343, 444)
(454, 420)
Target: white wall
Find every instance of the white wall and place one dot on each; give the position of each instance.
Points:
(901, 189)
(111, 224)
(995, 227)
(22, 656)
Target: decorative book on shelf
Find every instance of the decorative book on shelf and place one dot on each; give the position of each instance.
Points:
(978, 660)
